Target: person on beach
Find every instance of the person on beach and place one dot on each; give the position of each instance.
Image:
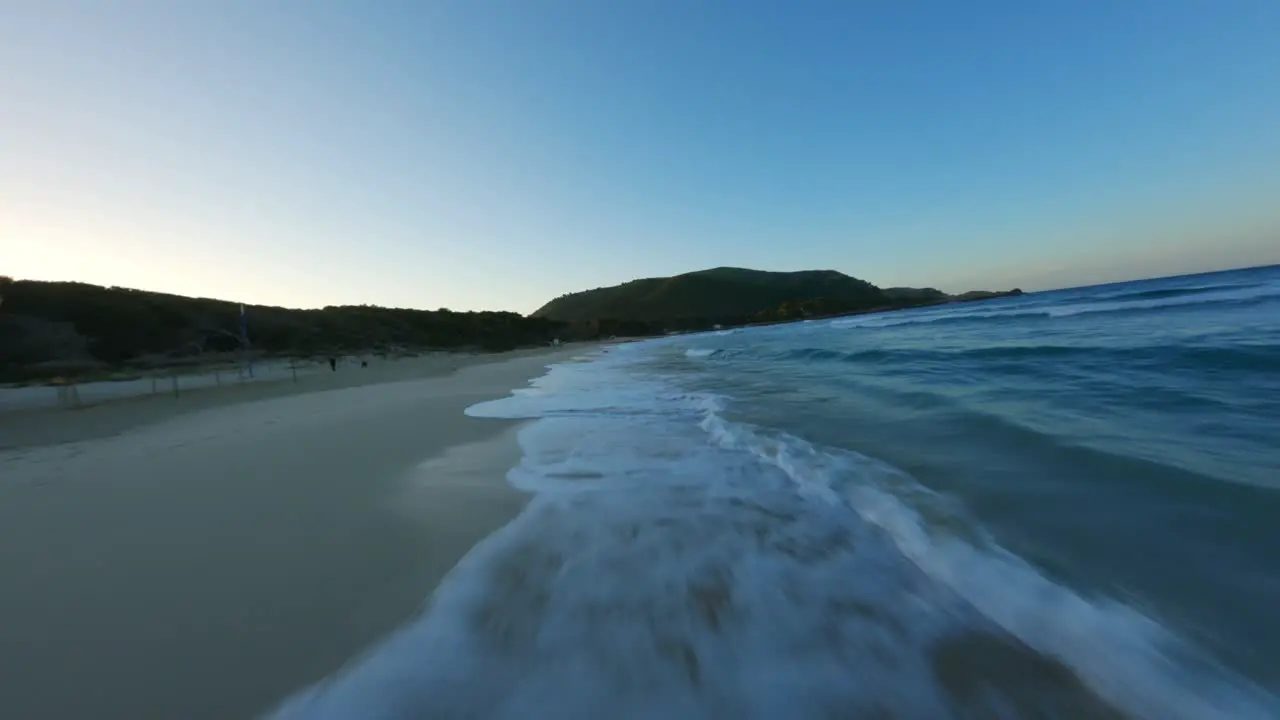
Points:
(333, 364)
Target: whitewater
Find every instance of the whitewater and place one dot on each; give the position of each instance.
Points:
(1060, 505)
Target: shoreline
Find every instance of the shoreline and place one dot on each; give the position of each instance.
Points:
(210, 564)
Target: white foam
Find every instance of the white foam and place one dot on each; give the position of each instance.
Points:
(673, 563)
(653, 575)
(1123, 655)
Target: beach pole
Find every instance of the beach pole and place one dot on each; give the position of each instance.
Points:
(173, 379)
(244, 339)
(153, 383)
(68, 395)
(293, 368)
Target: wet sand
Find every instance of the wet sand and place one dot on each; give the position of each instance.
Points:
(209, 562)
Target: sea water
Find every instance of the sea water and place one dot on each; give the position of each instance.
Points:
(1065, 504)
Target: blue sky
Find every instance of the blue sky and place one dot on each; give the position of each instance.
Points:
(494, 154)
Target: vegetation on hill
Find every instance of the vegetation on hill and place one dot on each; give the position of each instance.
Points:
(720, 294)
(55, 328)
(61, 328)
(733, 296)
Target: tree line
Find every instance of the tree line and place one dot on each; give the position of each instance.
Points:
(51, 328)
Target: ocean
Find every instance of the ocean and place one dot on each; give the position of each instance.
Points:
(1060, 505)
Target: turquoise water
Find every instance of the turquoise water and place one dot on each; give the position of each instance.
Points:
(1060, 505)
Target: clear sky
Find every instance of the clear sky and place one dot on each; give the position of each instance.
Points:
(485, 154)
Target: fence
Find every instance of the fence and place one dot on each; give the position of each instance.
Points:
(170, 381)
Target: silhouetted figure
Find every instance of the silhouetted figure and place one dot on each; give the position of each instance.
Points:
(333, 364)
(364, 363)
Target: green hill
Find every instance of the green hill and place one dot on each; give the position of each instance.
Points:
(64, 328)
(727, 295)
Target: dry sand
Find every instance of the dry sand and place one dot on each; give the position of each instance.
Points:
(204, 560)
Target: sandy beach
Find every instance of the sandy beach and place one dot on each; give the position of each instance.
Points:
(113, 407)
(206, 557)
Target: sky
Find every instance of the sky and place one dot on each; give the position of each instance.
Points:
(494, 154)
